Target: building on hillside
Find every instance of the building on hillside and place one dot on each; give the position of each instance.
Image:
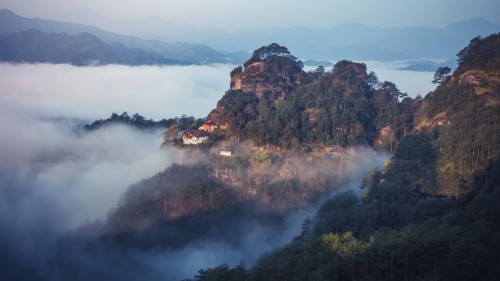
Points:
(194, 136)
(215, 116)
(228, 152)
(209, 126)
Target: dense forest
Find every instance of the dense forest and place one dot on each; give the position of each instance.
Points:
(279, 104)
(431, 214)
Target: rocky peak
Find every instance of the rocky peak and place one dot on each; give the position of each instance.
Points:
(271, 71)
(351, 75)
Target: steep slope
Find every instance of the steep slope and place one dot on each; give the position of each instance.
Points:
(431, 214)
(271, 70)
(272, 101)
(463, 113)
(34, 46)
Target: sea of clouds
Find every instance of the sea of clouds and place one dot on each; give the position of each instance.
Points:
(55, 178)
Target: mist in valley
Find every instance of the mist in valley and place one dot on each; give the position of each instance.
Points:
(58, 184)
(53, 177)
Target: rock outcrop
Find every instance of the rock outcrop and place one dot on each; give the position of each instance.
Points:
(271, 72)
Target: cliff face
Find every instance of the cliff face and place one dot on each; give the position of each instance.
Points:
(253, 80)
(271, 72)
(481, 86)
(272, 101)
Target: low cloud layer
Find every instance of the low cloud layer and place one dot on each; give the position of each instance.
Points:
(53, 179)
(95, 92)
(48, 173)
(411, 82)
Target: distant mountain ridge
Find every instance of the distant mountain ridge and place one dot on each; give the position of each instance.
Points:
(188, 53)
(359, 42)
(347, 41)
(34, 46)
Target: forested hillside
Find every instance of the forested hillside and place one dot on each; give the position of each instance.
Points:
(462, 117)
(272, 101)
(432, 213)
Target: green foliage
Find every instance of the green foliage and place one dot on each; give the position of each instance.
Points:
(176, 191)
(373, 81)
(481, 53)
(216, 137)
(273, 51)
(263, 159)
(463, 113)
(392, 110)
(136, 121)
(442, 74)
(372, 180)
(282, 194)
(236, 71)
(343, 107)
(472, 140)
(469, 133)
(239, 108)
(433, 240)
(338, 214)
(415, 163)
(401, 229)
(222, 272)
(345, 245)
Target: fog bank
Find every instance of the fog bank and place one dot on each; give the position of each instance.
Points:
(54, 178)
(91, 93)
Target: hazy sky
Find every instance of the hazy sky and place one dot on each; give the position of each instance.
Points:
(236, 14)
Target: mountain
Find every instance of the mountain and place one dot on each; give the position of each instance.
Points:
(189, 53)
(432, 213)
(273, 102)
(359, 42)
(291, 131)
(289, 140)
(34, 46)
(348, 41)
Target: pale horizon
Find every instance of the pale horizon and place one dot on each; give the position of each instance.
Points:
(238, 15)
